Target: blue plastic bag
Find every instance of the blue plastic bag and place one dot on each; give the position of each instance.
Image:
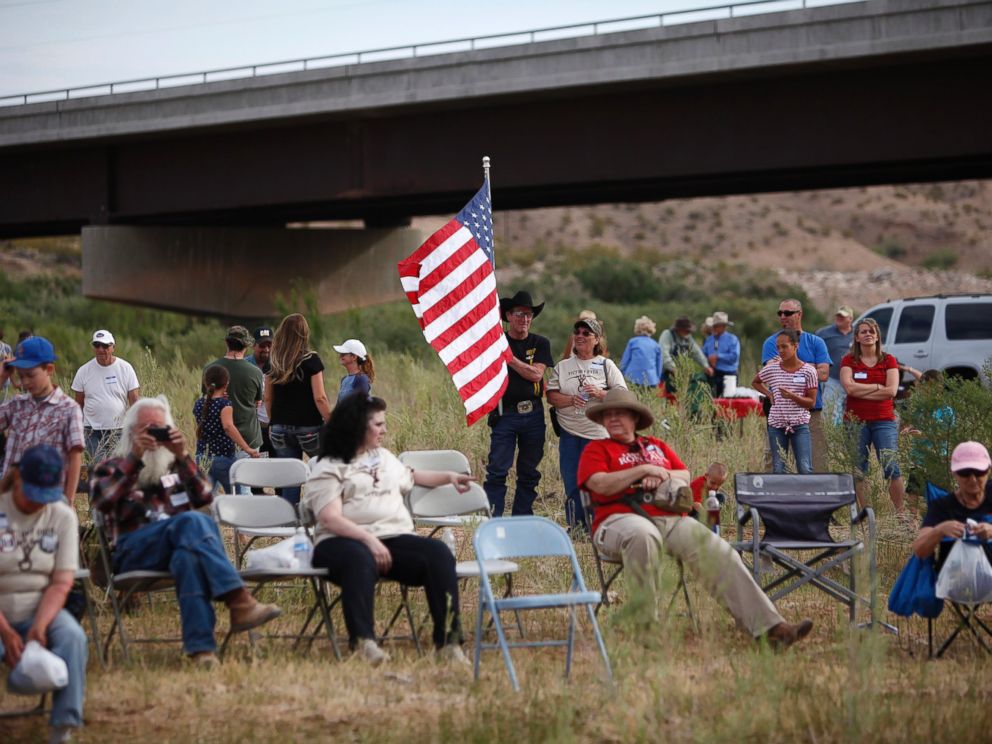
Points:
(915, 590)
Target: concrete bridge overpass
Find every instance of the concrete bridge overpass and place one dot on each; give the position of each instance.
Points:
(883, 91)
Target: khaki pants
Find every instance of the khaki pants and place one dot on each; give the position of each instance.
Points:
(637, 541)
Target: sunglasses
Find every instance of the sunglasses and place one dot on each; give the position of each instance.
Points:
(522, 314)
(787, 313)
(98, 345)
(583, 332)
(971, 473)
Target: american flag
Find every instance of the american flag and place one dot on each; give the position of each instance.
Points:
(451, 284)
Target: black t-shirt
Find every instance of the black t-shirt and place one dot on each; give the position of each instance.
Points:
(534, 350)
(292, 402)
(947, 507)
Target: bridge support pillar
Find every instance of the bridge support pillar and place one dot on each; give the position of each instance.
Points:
(237, 272)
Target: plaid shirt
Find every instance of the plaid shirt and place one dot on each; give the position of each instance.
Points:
(56, 420)
(114, 491)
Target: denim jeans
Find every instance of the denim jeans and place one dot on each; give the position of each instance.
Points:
(241, 490)
(569, 451)
(189, 547)
(293, 441)
(66, 640)
(220, 472)
(834, 398)
(515, 431)
(95, 439)
(798, 441)
(884, 437)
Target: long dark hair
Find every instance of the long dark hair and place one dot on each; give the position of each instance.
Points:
(345, 430)
(215, 377)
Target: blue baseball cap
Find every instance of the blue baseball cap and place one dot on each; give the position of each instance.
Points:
(33, 352)
(42, 477)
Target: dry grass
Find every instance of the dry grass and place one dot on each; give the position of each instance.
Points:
(670, 682)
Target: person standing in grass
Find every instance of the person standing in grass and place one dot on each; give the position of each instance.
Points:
(517, 423)
(723, 351)
(43, 414)
(871, 379)
(357, 361)
(838, 337)
(216, 434)
(790, 384)
(641, 360)
(294, 395)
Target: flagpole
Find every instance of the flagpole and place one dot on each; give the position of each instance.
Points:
(485, 176)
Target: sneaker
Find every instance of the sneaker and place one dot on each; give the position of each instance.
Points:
(59, 734)
(248, 616)
(369, 651)
(204, 659)
(784, 635)
(452, 654)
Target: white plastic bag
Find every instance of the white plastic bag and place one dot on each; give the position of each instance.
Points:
(38, 671)
(966, 576)
(279, 555)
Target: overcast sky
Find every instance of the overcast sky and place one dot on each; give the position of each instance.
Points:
(48, 44)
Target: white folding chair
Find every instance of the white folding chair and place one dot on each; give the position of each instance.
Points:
(248, 513)
(265, 472)
(435, 460)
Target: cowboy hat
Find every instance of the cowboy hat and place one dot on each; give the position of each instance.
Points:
(625, 400)
(520, 299)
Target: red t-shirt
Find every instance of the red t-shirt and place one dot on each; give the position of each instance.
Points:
(607, 456)
(870, 410)
(697, 489)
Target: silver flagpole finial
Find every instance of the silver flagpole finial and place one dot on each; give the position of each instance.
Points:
(485, 167)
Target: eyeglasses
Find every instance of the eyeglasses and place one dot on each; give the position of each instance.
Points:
(98, 345)
(971, 473)
(522, 314)
(787, 313)
(583, 332)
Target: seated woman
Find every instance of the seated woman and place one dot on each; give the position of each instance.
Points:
(365, 532)
(39, 555)
(972, 499)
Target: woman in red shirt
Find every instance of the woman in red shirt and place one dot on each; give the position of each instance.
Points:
(871, 379)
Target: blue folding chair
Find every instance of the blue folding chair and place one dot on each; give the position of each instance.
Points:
(529, 537)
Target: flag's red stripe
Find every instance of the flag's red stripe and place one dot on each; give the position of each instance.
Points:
(477, 349)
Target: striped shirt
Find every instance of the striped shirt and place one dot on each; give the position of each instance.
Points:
(55, 419)
(784, 413)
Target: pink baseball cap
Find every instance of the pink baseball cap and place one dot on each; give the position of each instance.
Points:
(970, 456)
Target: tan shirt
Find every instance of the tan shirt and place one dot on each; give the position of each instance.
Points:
(32, 547)
(371, 488)
(568, 376)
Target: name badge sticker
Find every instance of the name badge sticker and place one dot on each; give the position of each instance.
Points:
(799, 379)
(49, 542)
(4, 522)
(169, 480)
(860, 375)
(7, 542)
(178, 499)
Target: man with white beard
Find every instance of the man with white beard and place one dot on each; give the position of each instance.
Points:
(147, 493)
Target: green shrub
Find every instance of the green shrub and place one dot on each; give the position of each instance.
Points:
(940, 259)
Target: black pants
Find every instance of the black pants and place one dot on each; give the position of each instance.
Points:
(417, 561)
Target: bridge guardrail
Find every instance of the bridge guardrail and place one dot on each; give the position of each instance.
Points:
(410, 51)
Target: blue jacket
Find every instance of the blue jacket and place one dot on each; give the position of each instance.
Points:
(727, 348)
(641, 361)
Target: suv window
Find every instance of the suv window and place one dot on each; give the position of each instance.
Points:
(915, 324)
(968, 321)
(882, 316)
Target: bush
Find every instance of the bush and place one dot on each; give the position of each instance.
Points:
(941, 259)
(618, 280)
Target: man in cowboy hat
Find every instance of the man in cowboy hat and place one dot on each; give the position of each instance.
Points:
(675, 342)
(722, 350)
(618, 472)
(518, 421)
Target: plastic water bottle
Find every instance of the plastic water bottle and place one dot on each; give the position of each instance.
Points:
(712, 505)
(301, 548)
(448, 538)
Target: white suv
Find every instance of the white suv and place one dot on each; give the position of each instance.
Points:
(952, 333)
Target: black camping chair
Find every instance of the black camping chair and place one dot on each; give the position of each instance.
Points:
(790, 516)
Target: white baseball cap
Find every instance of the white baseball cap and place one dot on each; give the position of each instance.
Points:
(352, 346)
(103, 337)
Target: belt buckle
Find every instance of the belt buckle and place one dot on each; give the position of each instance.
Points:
(525, 406)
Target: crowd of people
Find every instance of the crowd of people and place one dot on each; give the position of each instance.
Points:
(267, 395)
